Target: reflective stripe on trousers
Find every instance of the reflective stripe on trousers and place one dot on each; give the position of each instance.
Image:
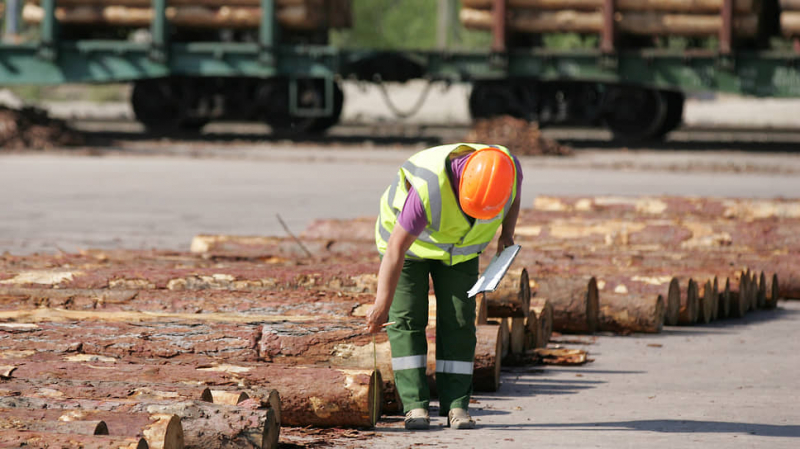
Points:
(454, 367)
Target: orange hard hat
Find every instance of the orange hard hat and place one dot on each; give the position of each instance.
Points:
(486, 183)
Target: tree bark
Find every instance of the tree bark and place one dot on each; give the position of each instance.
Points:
(637, 23)
(689, 309)
(512, 297)
(574, 301)
(544, 314)
(95, 389)
(295, 17)
(486, 374)
(628, 313)
(205, 425)
(47, 421)
(310, 396)
(640, 285)
(24, 438)
(689, 6)
(264, 397)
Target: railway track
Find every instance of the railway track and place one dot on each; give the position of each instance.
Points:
(691, 138)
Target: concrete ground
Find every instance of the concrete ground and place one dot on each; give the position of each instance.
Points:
(730, 384)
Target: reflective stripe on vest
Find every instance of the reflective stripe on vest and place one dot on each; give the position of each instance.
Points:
(454, 367)
(409, 362)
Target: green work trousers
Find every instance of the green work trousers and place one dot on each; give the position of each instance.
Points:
(455, 333)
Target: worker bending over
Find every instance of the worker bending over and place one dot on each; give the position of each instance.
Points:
(449, 202)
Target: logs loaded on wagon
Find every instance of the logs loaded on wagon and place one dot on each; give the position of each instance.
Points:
(634, 17)
(209, 14)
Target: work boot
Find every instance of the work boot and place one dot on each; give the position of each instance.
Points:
(418, 419)
(459, 418)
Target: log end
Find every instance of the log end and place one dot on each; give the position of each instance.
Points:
(592, 306)
(228, 397)
(272, 431)
(101, 428)
(673, 305)
(165, 432)
(525, 292)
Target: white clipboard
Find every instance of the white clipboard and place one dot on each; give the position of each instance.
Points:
(497, 268)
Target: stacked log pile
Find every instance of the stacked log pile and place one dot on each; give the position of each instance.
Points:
(239, 14)
(635, 17)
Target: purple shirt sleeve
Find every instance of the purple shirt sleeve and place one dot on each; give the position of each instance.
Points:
(413, 217)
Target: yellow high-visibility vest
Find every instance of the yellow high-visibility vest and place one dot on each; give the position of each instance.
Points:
(450, 236)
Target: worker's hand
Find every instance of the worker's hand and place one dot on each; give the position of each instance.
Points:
(504, 242)
(375, 318)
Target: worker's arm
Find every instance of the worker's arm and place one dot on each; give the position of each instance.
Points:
(388, 275)
(506, 238)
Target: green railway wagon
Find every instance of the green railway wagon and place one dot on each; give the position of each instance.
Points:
(195, 62)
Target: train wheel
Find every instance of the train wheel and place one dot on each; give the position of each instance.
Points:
(491, 99)
(154, 105)
(634, 114)
(274, 97)
(161, 105)
(675, 102)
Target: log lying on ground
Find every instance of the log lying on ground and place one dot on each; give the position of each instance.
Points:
(80, 389)
(690, 306)
(645, 287)
(724, 299)
(738, 291)
(204, 424)
(160, 430)
(310, 396)
(296, 17)
(629, 313)
(24, 438)
(745, 209)
(638, 23)
(512, 297)
(544, 314)
(275, 249)
(532, 331)
(264, 397)
(486, 374)
(45, 421)
(574, 301)
(244, 276)
(691, 6)
(299, 302)
(790, 23)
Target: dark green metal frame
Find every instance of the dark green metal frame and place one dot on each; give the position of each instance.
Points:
(52, 61)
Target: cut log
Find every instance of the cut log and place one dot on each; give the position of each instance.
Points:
(481, 310)
(637, 23)
(158, 429)
(512, 297)
(690, 306)
(43, 421)
(689, 6)
(707, 301)
(265, 397)
(627, 313)
(738, 295)
(486, 374)
(310, 396)
(297, 17)
(532, 331)
(790, 5)
(724, 307)
(639, 285)
(25, 438)
(544, 314)
(516, 331)
(790, 23)
(772, 294)
(574, 301)
(95, 389)
(742, 209)
(204, 424)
